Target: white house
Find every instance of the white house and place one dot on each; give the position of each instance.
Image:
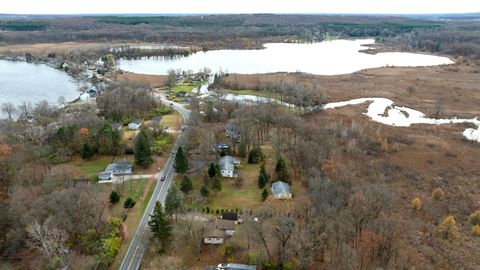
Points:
(227, 166)
(281, 190)
(135, 124)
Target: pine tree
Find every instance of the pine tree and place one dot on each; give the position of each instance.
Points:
(264, 172)
(255, 155)
(261, 181)
(264, 194)
(161, 227)
(143, 153)
(87, 151)
(217, 184)
(181, 161)
(186, 184)
(114, 197)
(211, 170)
(129, 203)
(173, 201)
(281, 169)
(204, 192)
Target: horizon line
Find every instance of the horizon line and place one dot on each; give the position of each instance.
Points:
(226, 13)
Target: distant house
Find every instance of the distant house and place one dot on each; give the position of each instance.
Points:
(232, 131)
(116, 126)
(135, 124)
(235, 266)
(120, 168)
(85, 96)
(213, 236)
(156, 120)
(233, 216)
(281, 190)
(103, 176)
(227, 165)
(216, 231)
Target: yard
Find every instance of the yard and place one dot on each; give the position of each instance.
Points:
(185, 87)
(253, 93)
(141, 191)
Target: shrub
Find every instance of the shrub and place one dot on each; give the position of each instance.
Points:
(114, 197)
(417, 204)
(204, 191)
(474, 218)
(438, 194)
(129, 203)
(264, 194)
(448, 228)
(476, 230)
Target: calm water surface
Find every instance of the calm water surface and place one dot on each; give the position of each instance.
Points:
(323, 58)
(21, 81)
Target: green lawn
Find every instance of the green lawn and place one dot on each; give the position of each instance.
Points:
(91, 167)
(187, 87)
(232, 196)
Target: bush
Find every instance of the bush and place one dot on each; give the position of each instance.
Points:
(448, 228)
(255, 155)
(474, 218)
(129, 203)
(476, 230)
(114, 197)
(204, 191)
(438, 194)
(416, 204)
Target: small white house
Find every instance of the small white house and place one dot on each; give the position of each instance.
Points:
(227, 165)
(135, 124)
(281, 190)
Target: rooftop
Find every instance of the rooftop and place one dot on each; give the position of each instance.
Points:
(226, 163)
(280, 187)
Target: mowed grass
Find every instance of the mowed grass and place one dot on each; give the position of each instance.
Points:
(185, 87)
(173, 121)
(141, 191)
(248, 195)
(91, 167)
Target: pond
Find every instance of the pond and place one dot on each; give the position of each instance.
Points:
(24, 82)
(323, 58)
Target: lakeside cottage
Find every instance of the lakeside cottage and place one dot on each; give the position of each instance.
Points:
(135, 124)
(227, 166)
(281, 190)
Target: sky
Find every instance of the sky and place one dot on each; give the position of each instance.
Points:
(237, 6)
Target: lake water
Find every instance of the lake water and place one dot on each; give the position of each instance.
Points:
(21, 81)
(323, 58)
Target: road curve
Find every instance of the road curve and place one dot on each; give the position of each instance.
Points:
(137, 247)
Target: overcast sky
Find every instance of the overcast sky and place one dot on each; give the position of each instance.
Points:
(238, 6)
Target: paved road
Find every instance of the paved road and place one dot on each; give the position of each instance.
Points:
(135, 251)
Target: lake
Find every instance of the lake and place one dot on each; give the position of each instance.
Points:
(21, 81)
(323, 58)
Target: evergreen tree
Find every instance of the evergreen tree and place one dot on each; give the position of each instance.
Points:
(261, 181)
(264, 172)
(143, 153)
(204, 192)
(186, 184)
(281, 170)
(217, 184)
(129, 203)
(181, 161)
(161, 227)
(114, 197)
(264, 194)
(211, 170)
(218, 171)
(255, 155)
(87, 151)
(173, 201)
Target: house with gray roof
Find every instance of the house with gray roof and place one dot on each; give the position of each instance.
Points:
(120, 168)
(135, 124)
(281, 190)
(227, 165)
(232, 131)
